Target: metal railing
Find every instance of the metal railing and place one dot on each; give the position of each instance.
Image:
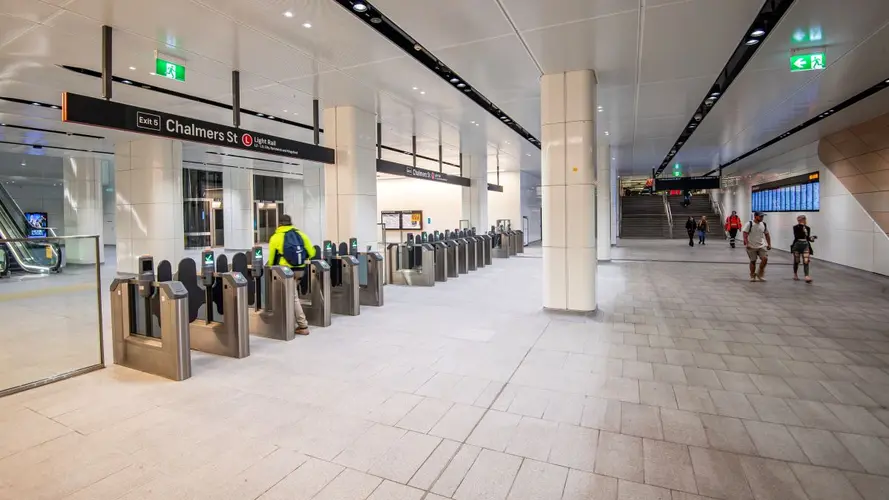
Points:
(669, 213)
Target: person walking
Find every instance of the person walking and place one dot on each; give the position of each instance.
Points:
(733, 225)
(802, 247)
(291, 247)
(690, 227)
(703, 229)
(758, 242)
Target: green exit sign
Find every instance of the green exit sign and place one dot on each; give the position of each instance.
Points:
(807, 62)
(169, 70)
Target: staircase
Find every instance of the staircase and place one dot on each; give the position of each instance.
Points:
(643, 217)
(700, 205)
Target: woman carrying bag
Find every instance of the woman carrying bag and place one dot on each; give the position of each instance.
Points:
(802, 247)
(703, 229)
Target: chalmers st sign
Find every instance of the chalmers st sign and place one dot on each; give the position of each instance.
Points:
(101, 113)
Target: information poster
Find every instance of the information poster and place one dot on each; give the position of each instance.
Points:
(392, 220)
(406, 220)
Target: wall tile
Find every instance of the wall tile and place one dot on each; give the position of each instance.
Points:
(843, 168)
(871, 162)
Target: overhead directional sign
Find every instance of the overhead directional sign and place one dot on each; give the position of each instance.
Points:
(114, 115)
(806, 62)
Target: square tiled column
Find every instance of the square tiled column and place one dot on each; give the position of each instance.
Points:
(237, 208)
(350, 184)
(148, 184)
(475, 197)
(603, 202)
(568, 180)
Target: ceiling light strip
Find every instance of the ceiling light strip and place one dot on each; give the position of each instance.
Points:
(181, 95)
(864, 94)
(377, 21)
(285, 175)
(29, 102)
(43, 146)
(49, 131)
(408, 153)
(763, 24)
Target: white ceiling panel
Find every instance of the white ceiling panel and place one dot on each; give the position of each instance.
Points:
(532, 14)
(439, 24)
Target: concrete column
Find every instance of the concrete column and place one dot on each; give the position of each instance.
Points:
(615, 209)
(603, 202)
(350, 185)
(237, 208)
(83, 209)
(475, 197)
(568, 180)
(293, 202)
(148, 184)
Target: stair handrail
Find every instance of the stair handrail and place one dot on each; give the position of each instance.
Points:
(669, 213)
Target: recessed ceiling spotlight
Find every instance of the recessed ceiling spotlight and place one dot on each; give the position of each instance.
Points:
(461, 85)
(601, 110)
(507, 142)
(132, 68)
(606, 133)
(259, 114)
(288, 14)
(472, 122)
(152, 73)
(455, 80)
(35, 104)
(752, 41)
(715, 94)
(376, 20)
(422, 92)
(757, 33)
(307, 25)
(529, 154)
(359, 7)
(467, 89)
(54, 106)
(271, 117)
(23, 164)
(415, 88)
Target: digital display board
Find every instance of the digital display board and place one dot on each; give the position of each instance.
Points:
(801, 193)
(36, 221)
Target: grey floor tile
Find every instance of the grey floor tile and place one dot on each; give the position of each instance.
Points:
(538, 480)
(628, 490)
(458, 422)
(719, 474)
(727, 434)
(429, 472)
(737, 382)
(495, 430)
(620, 456)
(683, 427)
(702, 377)
(870, 452)
(424, 416)
(772, 409)
(870, 487)
(668, 465)
(349, 485)
(657, 394)
(403, 459)
(696, 399)
(305, 482)
(585, 486)
(365, 450)
(566, 408)
(455, 471)
(490, 477)
(671, 374)
(639, 370)
(575, 447)
(858, 420)
(771, 385)
(825, 484)
(394, 491)
(602, 414)
(816, 415)
(772, 479)
(822, 448)
(846, 393)
(774, 441)
(810, 389)
(641, 420)
(732, 404)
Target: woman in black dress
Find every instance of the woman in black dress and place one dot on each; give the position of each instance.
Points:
(691, 226)
(802, 247)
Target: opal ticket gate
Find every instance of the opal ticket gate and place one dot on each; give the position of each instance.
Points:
(471, 250)
(271, 292)
(415, 264)
(487, 247)
(462, 253)
(314, 292)
(500, 243)
(520, 242)
(149, 323)
(451, 256)
(222, 327)
(344, 281)
(479, 248)
(441, 250)
(371, 275)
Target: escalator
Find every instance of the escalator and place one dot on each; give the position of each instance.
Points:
(25, 256)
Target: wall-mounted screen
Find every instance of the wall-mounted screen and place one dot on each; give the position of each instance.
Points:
(36, 221)
(801, 193)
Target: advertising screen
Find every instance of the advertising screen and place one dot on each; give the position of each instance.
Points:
(36, 220)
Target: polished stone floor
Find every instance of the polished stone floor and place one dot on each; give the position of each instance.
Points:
(690, 383)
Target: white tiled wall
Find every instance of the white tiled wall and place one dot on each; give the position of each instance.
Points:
(847, 235)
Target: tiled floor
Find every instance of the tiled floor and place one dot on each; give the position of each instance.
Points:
(690, 383)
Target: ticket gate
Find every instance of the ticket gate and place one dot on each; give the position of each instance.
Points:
(217, 306)
(520, 241)
(479, 248)
(149, 323)
(414, 263)
(371, 275)
(451, 255)
(471, 250)
(271, 292)
(499, 243)
(440, 247)
(462, 253)
(314, 291)
(344, 282)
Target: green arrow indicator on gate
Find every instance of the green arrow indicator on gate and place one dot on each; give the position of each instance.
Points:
(807, 62)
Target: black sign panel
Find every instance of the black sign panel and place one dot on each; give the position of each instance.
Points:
(101, 113)
(495, 187)
(689, 183)
(389, 167)
(789, 181)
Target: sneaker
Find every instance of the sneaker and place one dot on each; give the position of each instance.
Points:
(761, 278)
(795, 278)
(808, 279)
(752, 278)
(302, 330)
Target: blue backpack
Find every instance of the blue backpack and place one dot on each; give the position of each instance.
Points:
(295, 249)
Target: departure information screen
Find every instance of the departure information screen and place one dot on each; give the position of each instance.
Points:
(801, 193)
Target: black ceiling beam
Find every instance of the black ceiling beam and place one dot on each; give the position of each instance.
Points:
(377, 21)
(864, 94)
(763, 24)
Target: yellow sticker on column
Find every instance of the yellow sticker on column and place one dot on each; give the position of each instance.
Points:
(48, 252)
(575, 169)
(415, 217)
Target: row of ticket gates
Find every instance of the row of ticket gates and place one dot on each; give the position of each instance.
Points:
(159, 316)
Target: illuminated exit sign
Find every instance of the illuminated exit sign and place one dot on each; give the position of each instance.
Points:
(806, 62)
(169, 69)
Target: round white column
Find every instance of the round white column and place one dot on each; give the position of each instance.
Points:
(83, 209)
(603, 202)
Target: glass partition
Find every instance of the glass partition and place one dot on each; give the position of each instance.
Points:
(51, 323)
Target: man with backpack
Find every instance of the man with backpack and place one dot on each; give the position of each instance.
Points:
(758, 242)
(733, 225)
(292, 248)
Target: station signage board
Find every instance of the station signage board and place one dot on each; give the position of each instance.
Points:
(101, 113)
(390, 167)
(689, 183)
